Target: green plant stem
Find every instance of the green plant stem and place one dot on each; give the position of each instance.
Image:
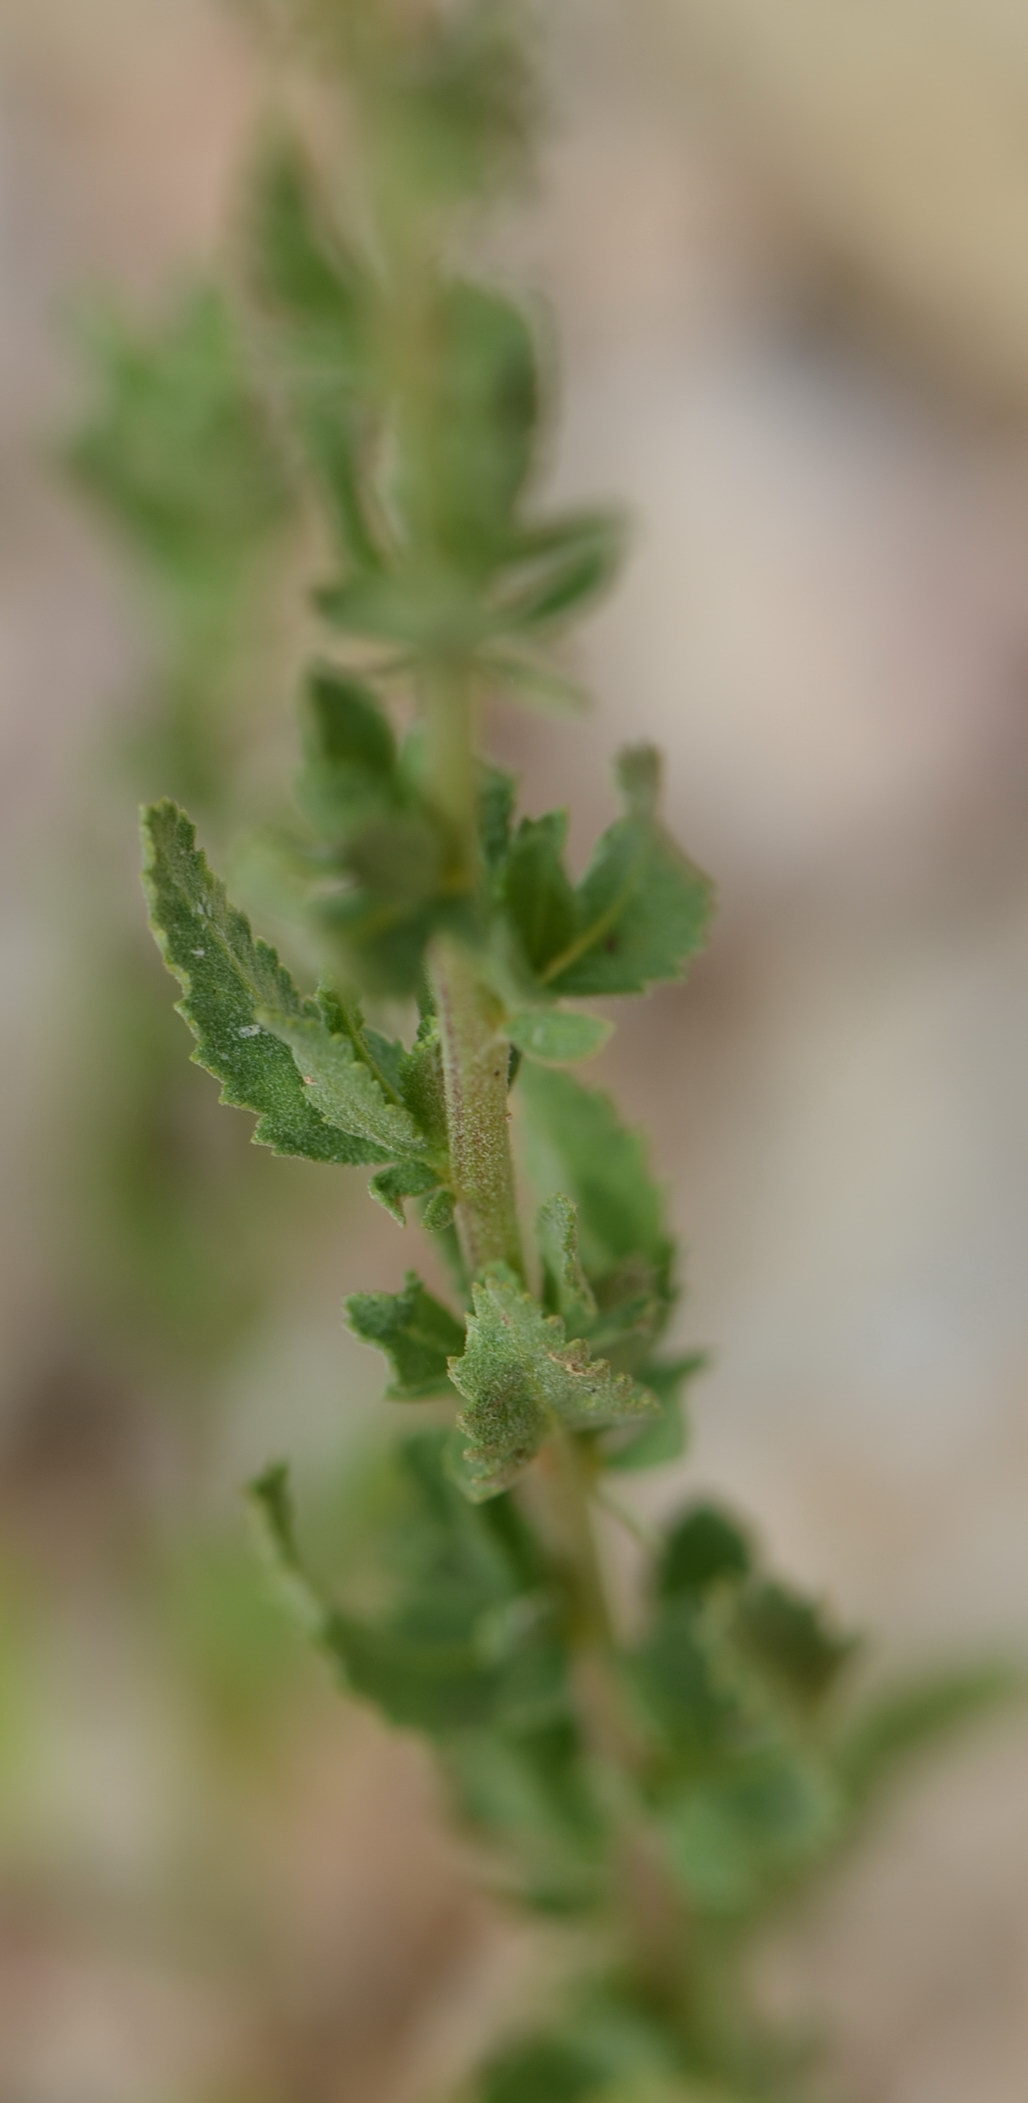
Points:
(652, 1914)
(475, 1071)
(475, 1055)
(475, 1064)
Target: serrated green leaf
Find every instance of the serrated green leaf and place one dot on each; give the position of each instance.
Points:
(421, 1083)
(642, 908)
(523, 1378)
(342, 1085)
(415, 1331)
(228, 980)
(556, 1037)
(577, 1143)
(409, 1179)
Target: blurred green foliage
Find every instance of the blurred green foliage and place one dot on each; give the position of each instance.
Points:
(663, 1784)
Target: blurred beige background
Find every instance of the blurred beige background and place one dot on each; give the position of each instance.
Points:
(786, 249)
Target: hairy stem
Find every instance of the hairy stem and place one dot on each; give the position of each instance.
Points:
(475, 1056)
(475, 1076)
(475, 1063)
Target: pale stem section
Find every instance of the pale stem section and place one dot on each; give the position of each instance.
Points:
(475, 1071)
(475, 1055)
(475, 1063)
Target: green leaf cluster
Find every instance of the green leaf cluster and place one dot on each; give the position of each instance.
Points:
(639, 913)
(697, 1766)
(324, 1085)
(736, 1671)
(436, 553)
(467, 1642)
(524, 1378)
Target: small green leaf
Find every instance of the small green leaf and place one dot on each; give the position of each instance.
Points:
(416, 1332)
(704, 1547)
(556, 1037)
(523, 1377)
(312, 300)
(642, 909)
(342, 1085)
(484, 425)
(536, 893)
(400, 891)
(439, 1212)
(692, 1686)
(351, 756)
(271, 1498)
(421, 1083)
(567, 1289)
(465, 1638)
(229, 980)
(577, 1143)
(409, 1179)
(497, 797)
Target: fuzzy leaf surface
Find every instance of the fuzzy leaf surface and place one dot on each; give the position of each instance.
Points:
(567, 1289)
(408, 1179)
(415, 1331)
(522, 1375)
(537, 893)
(556, 1036)
(642, 908)
(342, 1085)
(465, 1641)
(229, 979)
(577, 1143)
